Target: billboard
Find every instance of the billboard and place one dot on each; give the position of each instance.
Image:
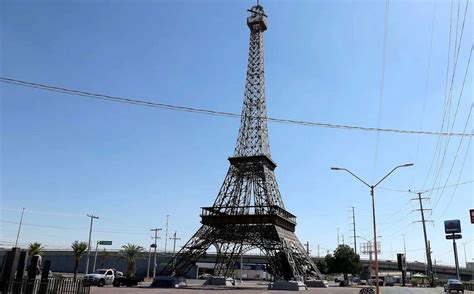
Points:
(452, 226)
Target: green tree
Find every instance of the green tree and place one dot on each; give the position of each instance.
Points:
(78, 248)
(322, 265)
(131, 253)
(344, 261)
(35, 248)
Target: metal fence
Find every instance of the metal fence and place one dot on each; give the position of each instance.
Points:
(56, 285)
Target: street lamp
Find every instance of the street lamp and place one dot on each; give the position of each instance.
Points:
(372, 187)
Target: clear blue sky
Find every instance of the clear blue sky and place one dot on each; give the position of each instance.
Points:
(64, 156)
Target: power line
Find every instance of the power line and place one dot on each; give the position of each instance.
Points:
(465, 127)
(219, 113)
(438, 142)
(457, 49)
(459, 176)
(71, 228)
(425, 94)
(382, 84)
(437, 188)
(455, 157)
(44, 213)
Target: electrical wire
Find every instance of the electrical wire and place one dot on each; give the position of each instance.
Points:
(459, 176)
(425, 94)
(438, 142)
(437, 188)
(382, 85)
(220, 113)
(72, 228)
(44, 213)
(456, 58)
(455, 158)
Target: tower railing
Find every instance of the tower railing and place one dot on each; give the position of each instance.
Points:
(251, 214)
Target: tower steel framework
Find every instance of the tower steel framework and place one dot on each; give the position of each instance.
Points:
(248, 212)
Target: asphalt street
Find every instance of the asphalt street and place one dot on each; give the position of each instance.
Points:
(255, 287)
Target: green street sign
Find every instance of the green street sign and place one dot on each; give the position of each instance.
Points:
(105, 242)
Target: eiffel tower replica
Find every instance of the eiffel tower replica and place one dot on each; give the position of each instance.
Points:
(248, 212)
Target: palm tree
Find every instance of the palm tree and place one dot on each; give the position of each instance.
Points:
(35, 248)
(130, 253)
(78, 248)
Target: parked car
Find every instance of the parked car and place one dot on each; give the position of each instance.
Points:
(121, 280)
(204, 276)
(454, 285)
(362, 282)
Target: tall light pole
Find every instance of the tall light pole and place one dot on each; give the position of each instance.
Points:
(89, 244)
(354, 229)
(154, 257)
(372, 187)
(19, 227)
(166, 233)
(149, 259)
(404, 246)
(465, 257)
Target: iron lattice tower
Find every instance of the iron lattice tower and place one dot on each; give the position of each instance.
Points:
(248, 212)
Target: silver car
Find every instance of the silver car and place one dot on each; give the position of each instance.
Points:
(453, 285)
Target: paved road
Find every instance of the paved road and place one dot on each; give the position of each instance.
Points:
(253, 287)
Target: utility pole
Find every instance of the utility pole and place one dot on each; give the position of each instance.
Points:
(404, 246)
(337, 236)
(166, 233)
(427, 247)
(19, 227)
(174, 238)
(154, 257)
(307, 247)
(89, 244)
(354, 229)
(465, 257)
(318, 251)
(149, 259)
(343, 243)
(456, 261)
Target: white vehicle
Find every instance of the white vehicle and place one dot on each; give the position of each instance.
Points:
(100, 277)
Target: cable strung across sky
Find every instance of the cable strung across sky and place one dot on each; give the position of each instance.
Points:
(219, 113)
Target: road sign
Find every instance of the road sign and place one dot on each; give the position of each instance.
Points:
(153, 245)
(472, 215)
(454, 236)
(452, 226)
(105, 242)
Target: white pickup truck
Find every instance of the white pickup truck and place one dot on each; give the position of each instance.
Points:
(100, 277)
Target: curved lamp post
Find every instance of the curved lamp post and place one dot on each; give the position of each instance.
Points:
(372, 187)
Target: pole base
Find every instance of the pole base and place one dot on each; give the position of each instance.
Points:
(287, 286)
(168, 282)
(219, 281)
